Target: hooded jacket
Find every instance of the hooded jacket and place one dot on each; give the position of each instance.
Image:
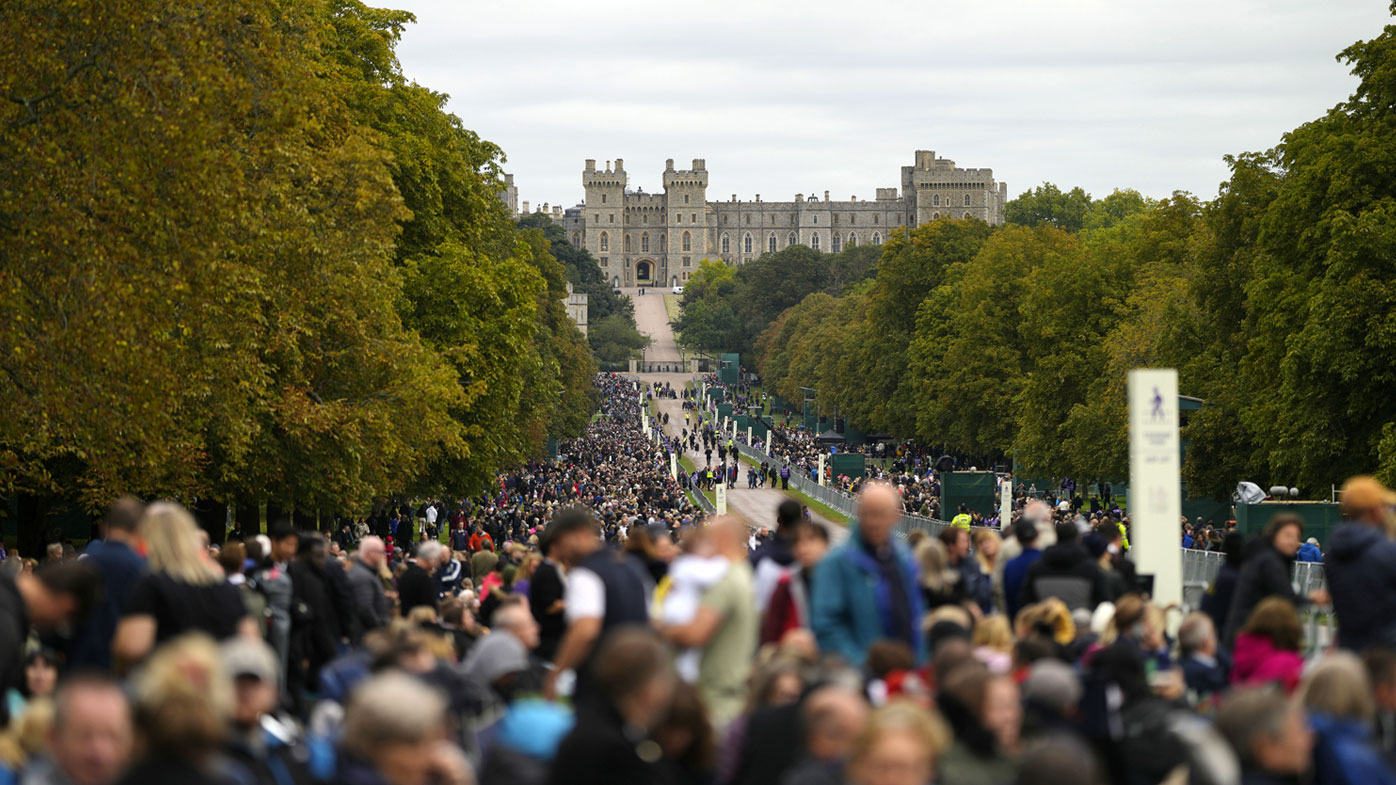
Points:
(1360, 568)
(852, 603)
(1255, 660)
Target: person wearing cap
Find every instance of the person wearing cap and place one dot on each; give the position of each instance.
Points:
(1360, 566)
(271, 750)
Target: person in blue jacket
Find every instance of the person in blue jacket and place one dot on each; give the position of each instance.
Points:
(1360, 567)
(1309, 551)
(866, 589)
(1337, 694)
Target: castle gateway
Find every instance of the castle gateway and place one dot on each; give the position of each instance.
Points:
(645, 239)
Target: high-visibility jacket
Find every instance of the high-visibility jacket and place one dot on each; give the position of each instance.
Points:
(961, 521)
(1124, 536)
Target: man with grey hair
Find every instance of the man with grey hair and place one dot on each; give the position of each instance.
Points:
(1204, 671)
(370, 601)
(392, 733)
(866, 589)
(417, 587)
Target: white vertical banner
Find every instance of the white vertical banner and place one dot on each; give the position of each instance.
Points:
(1155, 488)
(1005, 504)
(674, 465)
(748, 435)
(821, 468)
(720, 498)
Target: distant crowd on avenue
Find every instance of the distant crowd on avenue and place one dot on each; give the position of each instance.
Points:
(585, 623)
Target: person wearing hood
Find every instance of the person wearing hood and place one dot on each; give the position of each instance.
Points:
(1360, 566)
(1067, 572)
(1266, 572)
(866, 589)
(1309, 551)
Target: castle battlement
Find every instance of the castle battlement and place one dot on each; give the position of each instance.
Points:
(657, 239)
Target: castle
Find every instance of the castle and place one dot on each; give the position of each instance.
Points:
(645, 239)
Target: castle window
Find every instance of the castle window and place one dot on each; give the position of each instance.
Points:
(814, 241)
(603, 198)
(724, 220)
(746, 243)
(790, 240)
(687, 260)
(771, 243)
(645, 243)
(966, 200)
(597, 218)
(605, 243)
(935, 200)
(748, 220)
(967, 215)
(644, 218)
(726, 244)
(605, 260)
(685, 276)
(627, 243)
(678, 218)
(693, 219)
(852, 219)
(935, 216)
(836, 219)
(852, 240)
(685, 198)
(834, 243)
(877, 239)
(663, 243)
(610, 219)
(875, 219)
(576, 238)
(815, 218)
(687, 242)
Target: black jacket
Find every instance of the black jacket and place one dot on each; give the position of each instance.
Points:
(601, 751)
(543, 591)
(416, 587)
(1066, 572)
(1266, 573)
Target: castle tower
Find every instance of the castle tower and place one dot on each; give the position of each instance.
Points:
(603, 216)
(687, 219)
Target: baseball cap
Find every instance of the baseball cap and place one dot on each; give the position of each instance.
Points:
(1364, 492)
(253, 658)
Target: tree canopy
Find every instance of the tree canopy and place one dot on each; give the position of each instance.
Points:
(248, 260)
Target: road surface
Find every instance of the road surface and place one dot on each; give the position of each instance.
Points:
(756, 506)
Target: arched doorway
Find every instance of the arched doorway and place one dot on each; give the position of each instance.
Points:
(644, 272)
(615, 282)
(675, 281)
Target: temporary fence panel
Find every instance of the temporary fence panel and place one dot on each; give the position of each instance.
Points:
(1320, 518)
(976, 490)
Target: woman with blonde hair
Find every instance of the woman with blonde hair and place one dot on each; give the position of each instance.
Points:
(184, 700)
(183, 592)
(940, 583)
(993, 643)
(1337, 694)
(987, 543)
(901, 744)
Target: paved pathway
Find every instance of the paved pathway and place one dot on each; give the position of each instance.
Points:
(756, 506)
(653, 320)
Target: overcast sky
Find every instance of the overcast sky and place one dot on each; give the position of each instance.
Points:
(802, 97)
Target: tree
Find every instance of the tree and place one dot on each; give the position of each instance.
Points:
(615, 341)
(1047, 204)
(582, 271)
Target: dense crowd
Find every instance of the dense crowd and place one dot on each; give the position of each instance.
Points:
(584, 623)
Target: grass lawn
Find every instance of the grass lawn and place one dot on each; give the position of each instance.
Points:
(671, 305)
(687, 466)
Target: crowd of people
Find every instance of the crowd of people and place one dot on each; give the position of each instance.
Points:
(585, 623)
